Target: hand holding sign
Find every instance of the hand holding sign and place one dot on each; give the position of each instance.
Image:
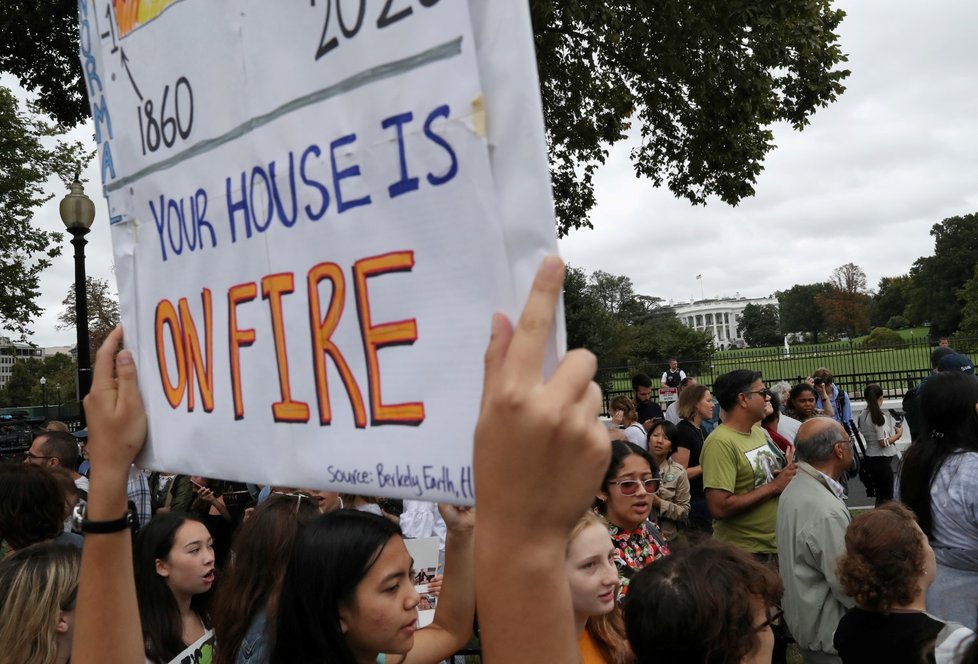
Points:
(540, 453)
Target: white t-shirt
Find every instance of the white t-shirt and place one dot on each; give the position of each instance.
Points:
(635, 433)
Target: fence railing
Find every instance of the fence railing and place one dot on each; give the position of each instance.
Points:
(895, 368)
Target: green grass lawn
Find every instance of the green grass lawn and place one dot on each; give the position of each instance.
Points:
(842, 358)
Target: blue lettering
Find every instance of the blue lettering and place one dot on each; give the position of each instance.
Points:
(352, 171)
(158, 218)
(405, 184)
(198, 208)
(323, 191)
(440, 112)
(238, 206)
(287, 221)
(172, 207)
(256, 171)
(100, 114)
(108, 167)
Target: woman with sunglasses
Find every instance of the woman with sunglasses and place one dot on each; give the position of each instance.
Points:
(625, 502)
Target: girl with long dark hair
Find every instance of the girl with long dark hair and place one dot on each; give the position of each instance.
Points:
(244, 609)
(348, 596)
(881, 433)
(939, 482)
(174, 566)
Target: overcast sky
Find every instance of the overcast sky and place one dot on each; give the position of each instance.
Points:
(863, 183)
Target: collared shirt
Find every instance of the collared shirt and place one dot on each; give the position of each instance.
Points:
(137, 490)
(634, 549)
(837, 488)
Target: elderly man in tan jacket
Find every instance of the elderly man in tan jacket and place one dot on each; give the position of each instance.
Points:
(811, 529)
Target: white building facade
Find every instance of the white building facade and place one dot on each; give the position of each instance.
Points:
(719, 317)
(11, 352)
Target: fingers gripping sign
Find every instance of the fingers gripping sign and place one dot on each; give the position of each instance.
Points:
(114, 408)
(540, 451)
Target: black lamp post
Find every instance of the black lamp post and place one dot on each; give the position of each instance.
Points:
(78, 213)
(44, 396)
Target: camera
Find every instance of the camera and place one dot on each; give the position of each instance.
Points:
(817, 380)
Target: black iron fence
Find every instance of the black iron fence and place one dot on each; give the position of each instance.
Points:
(895, 367)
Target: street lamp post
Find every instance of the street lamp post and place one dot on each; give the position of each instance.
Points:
(44, 396)
(78, 213)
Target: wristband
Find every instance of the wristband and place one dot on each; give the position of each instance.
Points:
(80, 523)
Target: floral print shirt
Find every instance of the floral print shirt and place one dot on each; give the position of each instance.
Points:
(634, 549)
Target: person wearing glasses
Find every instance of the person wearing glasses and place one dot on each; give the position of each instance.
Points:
(58, 448)
(888, 565)
(708, 604)
(625, 501)
(744, 472)
(812, 522)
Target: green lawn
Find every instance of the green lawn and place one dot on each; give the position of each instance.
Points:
(842, 358)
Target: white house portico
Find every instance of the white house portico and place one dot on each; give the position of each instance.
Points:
(719, 317)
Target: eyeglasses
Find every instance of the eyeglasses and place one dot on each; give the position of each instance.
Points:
(630, 487)
(774, 616)
(28, 455)
(751, 393)
(847, 441)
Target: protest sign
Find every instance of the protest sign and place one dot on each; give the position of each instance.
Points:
(315, 210)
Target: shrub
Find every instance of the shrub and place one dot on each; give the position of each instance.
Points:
(897, 323)
(884, 336)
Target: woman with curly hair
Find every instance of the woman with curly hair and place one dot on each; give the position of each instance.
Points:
(887, 567)
(708, 604)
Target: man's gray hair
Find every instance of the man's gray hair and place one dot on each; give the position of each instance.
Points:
(817, 447)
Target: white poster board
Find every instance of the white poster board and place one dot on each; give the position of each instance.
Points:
(315, 209)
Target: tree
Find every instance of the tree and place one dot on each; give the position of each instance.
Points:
(25, 251)
(24, 385)
(703, 80)
(846, 304)
(890, 300)
(799, 310)
(606, 316)
(968, 295)
(103, 311)
(936, 280)
(760, 325)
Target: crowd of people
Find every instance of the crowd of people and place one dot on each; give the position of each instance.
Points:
(714, 531)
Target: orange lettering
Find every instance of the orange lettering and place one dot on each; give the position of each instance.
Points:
(203, 367)
(380, 336)
(167, 315)
(272, 288)
(322, 344)
(238, 338)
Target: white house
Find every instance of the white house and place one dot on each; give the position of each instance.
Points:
(719, 317)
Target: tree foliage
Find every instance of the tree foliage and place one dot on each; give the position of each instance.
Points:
(845, 305)
(24, 386)
(103, 311)
(890, 301)
(760, 325)
(704, 81)
(25, 250)
(606, 316)
(799, 309)
(936, 280)
(884, 337)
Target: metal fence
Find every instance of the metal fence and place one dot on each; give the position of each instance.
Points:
(854, 365)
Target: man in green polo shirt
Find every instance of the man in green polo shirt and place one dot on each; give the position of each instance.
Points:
(743, 471)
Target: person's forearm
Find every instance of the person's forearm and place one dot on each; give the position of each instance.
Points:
(107, 631)
(695, 471)
(827, 407)
(724, 504)
(672, 510)
(539, 580)
(455, 611)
